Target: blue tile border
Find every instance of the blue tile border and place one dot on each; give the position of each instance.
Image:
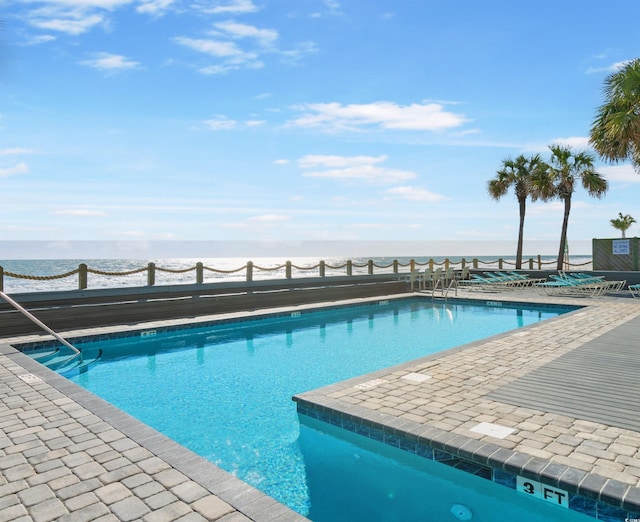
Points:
(505, 475)
(136, 330)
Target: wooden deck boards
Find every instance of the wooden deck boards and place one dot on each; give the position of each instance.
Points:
(598, 381)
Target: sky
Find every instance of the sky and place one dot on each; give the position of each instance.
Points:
(300, 120)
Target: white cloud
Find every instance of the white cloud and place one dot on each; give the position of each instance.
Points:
(385, 115)
(72, 17)
(86, 4)
(211, 47)
(293, 56)
(315, 160)
(221, 123)
(353, 167)
(78, 17)
(609, 68)
(575, 142)
(19, 168)
(416, 194)
(211, 70)
(154, 7)
(80, 213)
(232, 56)
(15, 151)
(240, 46)
(110, 62)
(75, 25)
(620, 173)
(39, 39)
(232, 6)
(366, 173)
(545, 209)
(333, 6)
(235, 30)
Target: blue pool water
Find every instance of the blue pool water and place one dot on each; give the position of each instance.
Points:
(351, 478)
(225, 391)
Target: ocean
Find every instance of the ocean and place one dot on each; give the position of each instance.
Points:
(38, 275)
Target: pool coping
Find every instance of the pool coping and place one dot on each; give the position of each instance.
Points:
(251, 503)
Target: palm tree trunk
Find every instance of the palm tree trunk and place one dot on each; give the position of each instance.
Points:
(523, 204)
(563, 235)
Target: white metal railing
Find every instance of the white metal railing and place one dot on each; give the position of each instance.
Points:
(38, 322)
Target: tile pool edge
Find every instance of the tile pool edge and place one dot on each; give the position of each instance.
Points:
(590, 495)
(244, 498)
(23, 342)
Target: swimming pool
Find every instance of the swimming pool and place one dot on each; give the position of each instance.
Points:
(225, 391)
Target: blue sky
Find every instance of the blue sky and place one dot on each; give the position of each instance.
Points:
(299, 119)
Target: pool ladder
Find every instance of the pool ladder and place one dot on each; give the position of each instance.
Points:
(453, 283)
(39, 323)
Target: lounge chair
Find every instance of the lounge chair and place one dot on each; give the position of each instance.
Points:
(512, 280)
(437, 279)
(427, 280)
(599, 281)
(447, 276)
(462, 274)
(563, 285)
(527, 280)
(634, 290)
(482, 283)
(414, 279)
(579, 285)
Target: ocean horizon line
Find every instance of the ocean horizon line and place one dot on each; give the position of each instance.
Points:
(190, 249)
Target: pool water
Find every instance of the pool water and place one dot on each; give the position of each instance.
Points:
(346, 472)
(225, 391)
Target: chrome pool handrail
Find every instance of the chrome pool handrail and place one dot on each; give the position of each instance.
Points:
(38, 322)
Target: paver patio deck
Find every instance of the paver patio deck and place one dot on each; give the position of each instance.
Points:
(67, 455)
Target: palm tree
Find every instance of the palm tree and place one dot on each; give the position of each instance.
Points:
(517, 174)
(566, 169)
(622, 223)
(615, 133)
